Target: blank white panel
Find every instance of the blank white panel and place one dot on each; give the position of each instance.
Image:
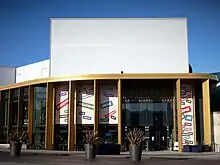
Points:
(33, 71)
(91, 46)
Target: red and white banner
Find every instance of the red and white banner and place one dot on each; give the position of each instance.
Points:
(62, 105)
(108, 104)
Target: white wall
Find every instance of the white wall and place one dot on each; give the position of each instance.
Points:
(111, 45)
(33, 71)
(7, 75)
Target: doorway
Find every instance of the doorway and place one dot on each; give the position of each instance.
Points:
(158, 131)
(153, 119)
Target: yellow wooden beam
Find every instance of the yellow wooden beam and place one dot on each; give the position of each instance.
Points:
(206, 112)
(174, 118)
(49, 116)
(133, 76)
(71, 123)
(53, 113)
(179, 114)
(96, 107)
(119, 113)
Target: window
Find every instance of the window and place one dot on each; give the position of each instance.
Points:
(15, 97)
(39, 116)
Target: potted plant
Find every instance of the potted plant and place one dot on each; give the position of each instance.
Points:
(91, 139)
(135, 137)
(17, 137)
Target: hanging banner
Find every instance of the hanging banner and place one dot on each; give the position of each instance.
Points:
(216, 127)
(62, 105)
(85, 104)
(187, 106)
(108, 104)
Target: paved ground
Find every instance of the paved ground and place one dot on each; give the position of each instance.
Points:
(78, 159)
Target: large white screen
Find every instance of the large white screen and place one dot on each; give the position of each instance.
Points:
(93, 46)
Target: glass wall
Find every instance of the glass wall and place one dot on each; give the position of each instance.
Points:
(24, 109)
(85, 111)
(15, 108)
(108, 111)
(61, 112)
(142, 114)
(39, 116)
(148, 105)
(4, 117)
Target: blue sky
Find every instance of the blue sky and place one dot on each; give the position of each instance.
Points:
(24, 25)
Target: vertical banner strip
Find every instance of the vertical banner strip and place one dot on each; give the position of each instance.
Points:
(187, 107)
(108, 103)
(62, 104)
(86, 103)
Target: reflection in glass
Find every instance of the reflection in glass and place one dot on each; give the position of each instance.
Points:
(40, 105)
(39, 117)
(25, 107)
(81, 130)
(4, 117)
(142, 114)
(15, 96)
(108, 133)
(25, 113)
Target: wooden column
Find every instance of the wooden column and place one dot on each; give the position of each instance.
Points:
(119, 113)
(96, 107)
(194, 110)
(20, 106)
(174, 113)
(206, 112)
(30, 114)
(49, 116)
(71, 121)
(53, 113)
(174, 119)
(179, 114)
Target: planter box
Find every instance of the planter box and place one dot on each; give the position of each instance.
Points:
(187, 148)
(90, 151)
(108, 149)
(135, 153)
(196, 148)
(206, 148)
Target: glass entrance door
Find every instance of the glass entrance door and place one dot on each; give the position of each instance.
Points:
(157, 138)
(158, 128)
(153, 118)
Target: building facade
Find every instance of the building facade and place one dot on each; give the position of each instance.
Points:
(110, 76)
(58, 111)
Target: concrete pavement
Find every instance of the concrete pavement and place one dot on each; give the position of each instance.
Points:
(35, 157)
